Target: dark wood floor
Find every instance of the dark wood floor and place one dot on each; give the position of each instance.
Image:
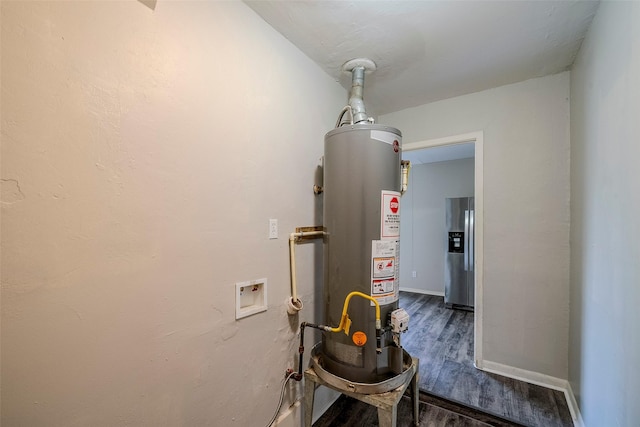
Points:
(443, 341)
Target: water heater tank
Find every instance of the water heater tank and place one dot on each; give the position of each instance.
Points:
(362, 179)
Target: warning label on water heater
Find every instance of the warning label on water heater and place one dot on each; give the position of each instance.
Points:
(384, 267)
(390, 215)
(385, 271)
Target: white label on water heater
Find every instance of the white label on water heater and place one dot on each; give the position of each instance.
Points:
(384, 136)
(385, 284)
(390, 215)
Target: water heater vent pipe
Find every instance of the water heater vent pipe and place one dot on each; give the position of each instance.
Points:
(358, 67)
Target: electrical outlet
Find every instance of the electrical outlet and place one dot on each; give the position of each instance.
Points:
(273, 228)
(413, 274)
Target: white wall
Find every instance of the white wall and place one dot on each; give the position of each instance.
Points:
(422, 240)
(143, 153)
(605, 206)
(526, 212)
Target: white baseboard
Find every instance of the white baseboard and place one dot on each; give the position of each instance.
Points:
(530, 377)
(293, 415)
(573, 406)
(537, 378)
(422, 291)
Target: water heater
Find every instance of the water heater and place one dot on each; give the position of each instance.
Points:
(362, 175)
(361, 218)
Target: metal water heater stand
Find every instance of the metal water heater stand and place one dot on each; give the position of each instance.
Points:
(384, 395)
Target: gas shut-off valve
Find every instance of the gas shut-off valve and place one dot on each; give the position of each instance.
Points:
(399, 324)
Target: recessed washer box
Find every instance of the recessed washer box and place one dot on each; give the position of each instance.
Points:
(251, 297)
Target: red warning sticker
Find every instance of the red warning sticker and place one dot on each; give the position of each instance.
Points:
(390, 215)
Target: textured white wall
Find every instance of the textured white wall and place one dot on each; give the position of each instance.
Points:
(142, 155)
(422, 242)
(605, 207)
(526, 212)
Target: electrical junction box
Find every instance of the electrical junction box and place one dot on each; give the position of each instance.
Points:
(251, 297)
(399, 320)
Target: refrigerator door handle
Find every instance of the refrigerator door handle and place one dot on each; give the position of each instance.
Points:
(466, 240)
(472, 239)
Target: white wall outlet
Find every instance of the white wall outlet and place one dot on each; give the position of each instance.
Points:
(251, 297)
(273, 228)
(414, 274)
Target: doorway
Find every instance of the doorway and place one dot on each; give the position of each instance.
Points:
(458, 143)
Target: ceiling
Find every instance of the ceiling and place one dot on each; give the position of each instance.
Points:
(431, 50)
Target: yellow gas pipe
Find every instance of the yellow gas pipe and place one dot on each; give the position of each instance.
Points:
(345, 322)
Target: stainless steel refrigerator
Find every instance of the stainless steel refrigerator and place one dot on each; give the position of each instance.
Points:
(459, 275)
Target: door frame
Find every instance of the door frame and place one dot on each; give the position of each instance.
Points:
(478, 139)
